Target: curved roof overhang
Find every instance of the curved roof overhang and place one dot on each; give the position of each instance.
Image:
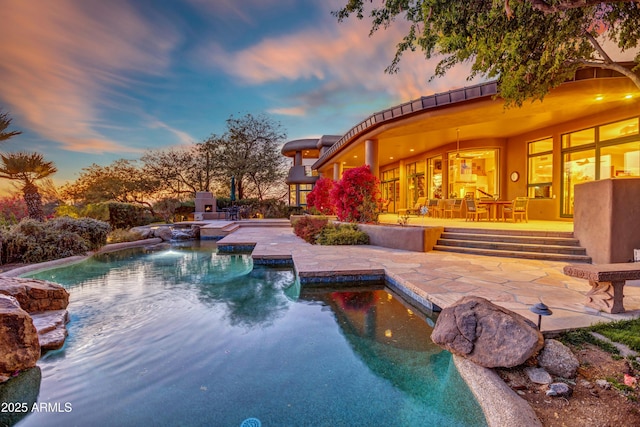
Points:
(479, 113)
(290, 148)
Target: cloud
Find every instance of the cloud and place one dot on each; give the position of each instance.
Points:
(62, 60)
(342, 57)
(288, 111)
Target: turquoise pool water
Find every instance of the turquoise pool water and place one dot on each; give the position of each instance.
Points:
(183, 336)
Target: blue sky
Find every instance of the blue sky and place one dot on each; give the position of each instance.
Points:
(92, 81)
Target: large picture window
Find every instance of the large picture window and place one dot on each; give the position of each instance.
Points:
(608, 151)
(473, 173)
(415, 182)
(540, 173)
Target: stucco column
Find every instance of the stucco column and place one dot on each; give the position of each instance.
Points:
(402, 202)
(371, 156)
(297, 160)
(336, 171)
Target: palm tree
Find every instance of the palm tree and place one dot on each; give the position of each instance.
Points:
(5, 121)
(27, 168)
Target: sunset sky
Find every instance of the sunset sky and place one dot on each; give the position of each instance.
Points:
(92, 81)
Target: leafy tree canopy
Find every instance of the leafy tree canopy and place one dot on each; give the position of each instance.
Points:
(250, 151)
(121, 181)
(530, 46)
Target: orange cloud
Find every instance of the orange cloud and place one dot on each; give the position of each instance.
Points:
(339, 53)
(61, 59)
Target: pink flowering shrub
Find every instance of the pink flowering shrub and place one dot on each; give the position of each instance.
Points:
(356, 196)
(319, 199)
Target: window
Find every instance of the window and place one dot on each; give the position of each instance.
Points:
(540, 174)
(293, 195)
(435, 177)
(304, 190)
(390, 187)
(473, 173)
(415, 182)
(607, 151)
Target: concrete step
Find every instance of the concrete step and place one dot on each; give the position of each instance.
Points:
(502, 232)
(519, 247)
(509, 238)
(515, 254)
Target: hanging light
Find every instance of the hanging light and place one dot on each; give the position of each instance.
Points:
(457, 143)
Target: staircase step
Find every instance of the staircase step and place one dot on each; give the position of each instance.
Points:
(571, 250)
(515, 254)
(502, 232)
(509, 238)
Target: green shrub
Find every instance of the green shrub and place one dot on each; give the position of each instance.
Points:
(309, 228)
(32, 241)
(93, 231)
(343, 234)
(119, 236)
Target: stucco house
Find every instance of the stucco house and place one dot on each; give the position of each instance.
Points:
(465, 142)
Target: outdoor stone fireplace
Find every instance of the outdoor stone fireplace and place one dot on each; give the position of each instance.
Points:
(205, 206)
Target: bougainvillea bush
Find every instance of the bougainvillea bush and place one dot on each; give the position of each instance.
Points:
(319, 199)
(309, 228)
(356, 196)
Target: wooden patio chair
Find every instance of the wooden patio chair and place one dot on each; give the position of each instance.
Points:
(474, 211)
(519, 208)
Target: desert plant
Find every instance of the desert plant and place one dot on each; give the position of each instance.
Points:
(357, 196)
(309, 228)
(12, 210)
(342, 234)
(92, 230)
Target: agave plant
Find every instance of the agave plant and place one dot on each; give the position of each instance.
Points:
(27, 169)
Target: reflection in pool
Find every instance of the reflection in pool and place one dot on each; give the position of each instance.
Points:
(182, 335)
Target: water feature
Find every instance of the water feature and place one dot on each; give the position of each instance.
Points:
(182, 335)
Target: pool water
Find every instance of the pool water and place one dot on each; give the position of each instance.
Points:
(183, 336)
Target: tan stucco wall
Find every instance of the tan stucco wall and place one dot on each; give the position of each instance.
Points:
(607, 218)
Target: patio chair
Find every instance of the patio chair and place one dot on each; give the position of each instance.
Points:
(454, 209)
(434, 208)
(474, 211)
(518, 208)
(416, 207)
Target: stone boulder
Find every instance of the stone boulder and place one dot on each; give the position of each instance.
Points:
(164, 233)
(487, 334)
(52, 328)
(558, 359)
(19, 344)
(35, 295)
(145, 232)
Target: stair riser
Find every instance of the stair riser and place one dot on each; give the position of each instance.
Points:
(530, 233)
(512, 239)
(515, 254)
(511, 247)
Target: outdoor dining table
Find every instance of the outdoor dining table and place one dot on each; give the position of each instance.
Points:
(493, 207)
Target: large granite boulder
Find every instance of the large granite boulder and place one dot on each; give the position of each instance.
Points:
(35, 295)
(164, 233)
(52, 328)
(558, 359)
(19, 344)
(487, 334)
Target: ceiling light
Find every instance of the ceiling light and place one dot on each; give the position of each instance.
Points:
(599, 97)
(355, 157)
(628, 96)
(391, 158)
(411, 149)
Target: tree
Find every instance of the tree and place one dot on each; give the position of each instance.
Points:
(122, 181)
(530, 46)
(250, 151)
(28, 168)
(180, 171)
(5, 121)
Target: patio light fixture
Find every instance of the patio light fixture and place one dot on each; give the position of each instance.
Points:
(541, 310)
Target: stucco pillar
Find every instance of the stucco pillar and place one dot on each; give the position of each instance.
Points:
(371, 156)
(336, 171)
(297, 160)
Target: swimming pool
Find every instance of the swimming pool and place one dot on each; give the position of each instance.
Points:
(182, 335)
